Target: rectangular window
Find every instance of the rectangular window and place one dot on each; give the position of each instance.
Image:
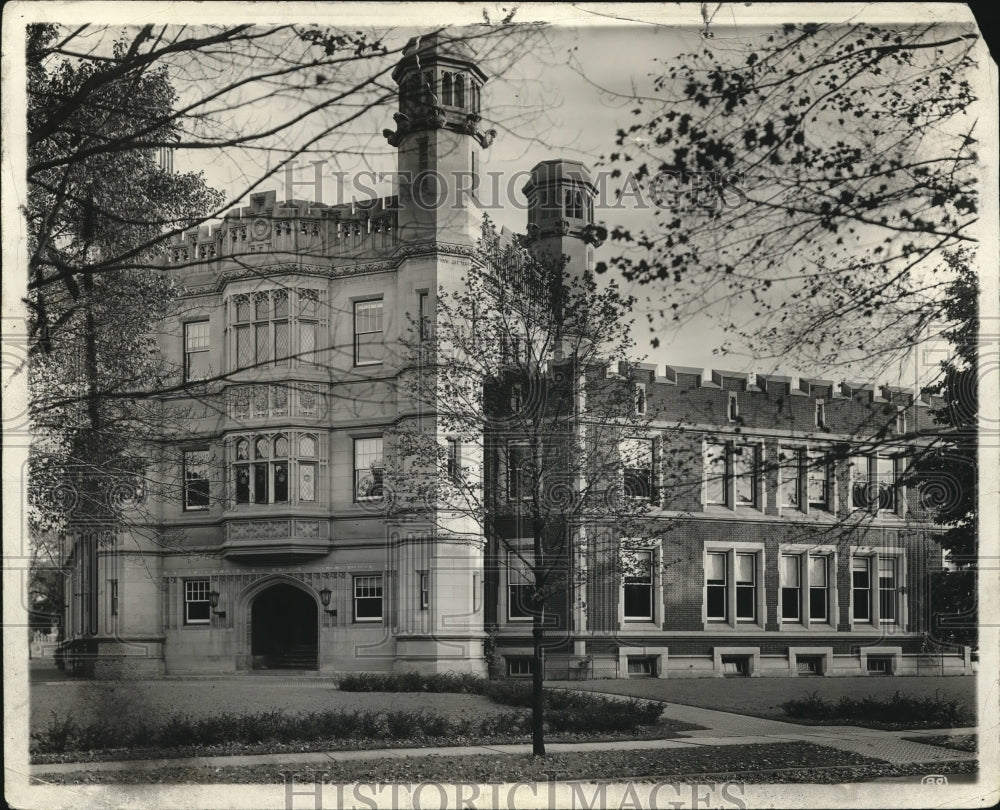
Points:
(820, 413)
(519, 480)
(307, 342)
(640, 400)
(900, 421)
(861, 589)
(455, 461)
(196, 478)
(369, 469)
(818, 480)
(369, 348)
(113, 588)
(280, 472)
(790, 498)
(734, 407)
(879, 664)
(520, 667)
(260, 483)
(860, 488)
(819, 589)
(715, 579)
(196, 351)
(368, 598)
(244, 347)
(874, 483)
(745, 474)
(637, 463)
(637, 586)
(425, 590)
(885, 470)
(519, 589)
(307, 481)
(197, 609)
(887, 590)
(746, 587)
(423, 316)
(716, 483)
(791, 589)
(640, 666)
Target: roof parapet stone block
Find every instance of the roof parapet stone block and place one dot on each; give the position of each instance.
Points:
(864, 392)
(773, 384)
(731, 380)
(685, 376)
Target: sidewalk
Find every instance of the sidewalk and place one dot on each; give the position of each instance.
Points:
(722, 728)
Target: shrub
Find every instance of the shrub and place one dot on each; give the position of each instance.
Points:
(898, 708)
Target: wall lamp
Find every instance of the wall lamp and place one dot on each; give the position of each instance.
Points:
(324, 597)
(213, 600)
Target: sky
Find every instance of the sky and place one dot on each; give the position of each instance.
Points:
(567, 98)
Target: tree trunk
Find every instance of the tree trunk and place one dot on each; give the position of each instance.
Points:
(537, 694)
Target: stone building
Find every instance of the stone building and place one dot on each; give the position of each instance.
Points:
(265, 548)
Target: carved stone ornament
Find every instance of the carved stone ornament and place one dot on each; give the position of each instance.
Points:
(402, 127)
(261, 229)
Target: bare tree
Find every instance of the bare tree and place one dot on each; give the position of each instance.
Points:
(522, 432)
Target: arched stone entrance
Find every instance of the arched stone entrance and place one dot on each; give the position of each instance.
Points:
(284, 629)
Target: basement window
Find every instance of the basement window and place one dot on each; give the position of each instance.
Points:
(879, 665)
(641, 666)
(809, 665)
(520, 667)
(736, 666)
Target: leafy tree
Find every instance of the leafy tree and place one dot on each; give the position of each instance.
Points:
(94, 217)
(514, 435)
(948, 469)
(807, 183)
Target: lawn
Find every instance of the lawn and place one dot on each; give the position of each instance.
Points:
(762, 697)
(90, 721)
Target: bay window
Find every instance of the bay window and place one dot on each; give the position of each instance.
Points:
(267, 324)
(265, 466)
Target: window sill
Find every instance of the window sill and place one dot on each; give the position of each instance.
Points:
(738, 629)
(814, 627)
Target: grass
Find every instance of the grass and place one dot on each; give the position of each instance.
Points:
(565, 710)
(957, 742)
(762, 697)
(898, 709)
(566, 713)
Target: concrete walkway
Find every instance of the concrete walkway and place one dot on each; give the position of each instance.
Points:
(721, 728)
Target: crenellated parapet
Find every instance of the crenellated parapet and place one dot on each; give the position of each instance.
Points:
(745, 402)
(291, 226)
